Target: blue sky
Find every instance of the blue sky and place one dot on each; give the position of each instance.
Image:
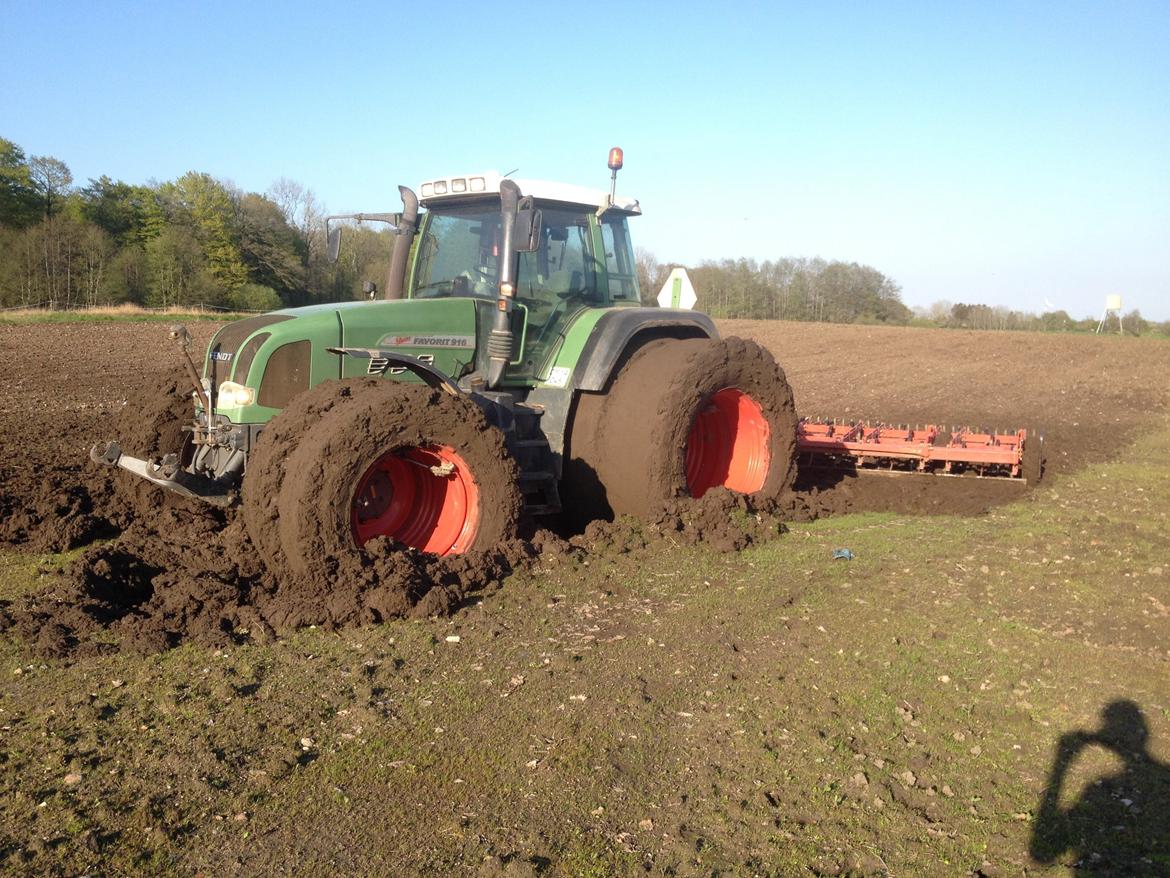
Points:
(1007, 153)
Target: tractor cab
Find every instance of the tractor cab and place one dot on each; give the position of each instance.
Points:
(578, 255)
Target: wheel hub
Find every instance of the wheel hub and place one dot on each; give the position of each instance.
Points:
(728, 445)
(423, 496)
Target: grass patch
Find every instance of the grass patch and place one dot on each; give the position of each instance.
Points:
(663, 711)
(125, 313)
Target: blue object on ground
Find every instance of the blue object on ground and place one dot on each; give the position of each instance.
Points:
(842, 553)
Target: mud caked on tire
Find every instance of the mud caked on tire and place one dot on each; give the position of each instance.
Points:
(352, 460)
(1033, 462)
(682, 417)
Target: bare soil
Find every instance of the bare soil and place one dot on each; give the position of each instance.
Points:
(1088, 395)
(698, 694)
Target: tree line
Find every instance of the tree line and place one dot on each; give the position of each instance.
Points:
(958, 315)
(846, 292)
(786, 289)
(199, 240)
(192, 240)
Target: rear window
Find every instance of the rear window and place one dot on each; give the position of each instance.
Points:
(619, 258)
(286, 374)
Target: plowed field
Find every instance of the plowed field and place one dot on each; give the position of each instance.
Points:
(65, 383)
(973, 694)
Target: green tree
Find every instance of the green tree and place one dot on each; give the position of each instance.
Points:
(254, 297)
(273, 252)
(205, 205)
(177, 270)
(18, 198)
(1057, 321)
(51, 179)
(120, 209)
(127, 277)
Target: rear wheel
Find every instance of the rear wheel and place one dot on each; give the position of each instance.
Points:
(683, 417)
(382, 459)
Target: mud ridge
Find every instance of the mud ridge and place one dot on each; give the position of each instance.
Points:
(194, 576)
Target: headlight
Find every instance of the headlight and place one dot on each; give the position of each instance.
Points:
(235, 395)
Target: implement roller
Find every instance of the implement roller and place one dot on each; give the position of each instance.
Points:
(859, 445)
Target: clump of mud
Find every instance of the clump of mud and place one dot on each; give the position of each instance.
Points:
(195, 577)
(53, 498)
(721, 519)
(47, 516)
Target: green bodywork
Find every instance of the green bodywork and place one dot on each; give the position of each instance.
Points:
(449, 332)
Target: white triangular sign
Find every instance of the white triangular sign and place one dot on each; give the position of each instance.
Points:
(677, 292)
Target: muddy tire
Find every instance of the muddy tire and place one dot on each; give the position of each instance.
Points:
(1032, 465)
(353, 460)
(266, 464)
(682, 417)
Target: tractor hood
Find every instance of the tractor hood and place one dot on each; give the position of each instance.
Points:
(278, 354)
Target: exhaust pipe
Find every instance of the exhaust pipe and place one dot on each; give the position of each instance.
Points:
(500, 340)
(404, 235)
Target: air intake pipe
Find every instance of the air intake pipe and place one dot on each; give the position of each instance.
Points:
(403, 237)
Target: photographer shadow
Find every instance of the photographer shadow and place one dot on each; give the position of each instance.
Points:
(1120, 825)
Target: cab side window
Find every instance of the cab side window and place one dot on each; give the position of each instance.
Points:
(619, 258)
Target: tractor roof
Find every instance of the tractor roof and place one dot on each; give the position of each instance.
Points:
(448, 190)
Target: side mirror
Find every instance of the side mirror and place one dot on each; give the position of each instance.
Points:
(333, 248)
(529, 222)
(369, 287)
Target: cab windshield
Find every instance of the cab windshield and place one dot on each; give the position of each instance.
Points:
(459, 255)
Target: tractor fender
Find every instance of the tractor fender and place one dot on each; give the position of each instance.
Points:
(622, 331)
(612, 340)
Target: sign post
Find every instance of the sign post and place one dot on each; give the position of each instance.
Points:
(677, 292)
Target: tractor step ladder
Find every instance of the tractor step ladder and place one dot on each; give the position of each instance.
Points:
(530, 448)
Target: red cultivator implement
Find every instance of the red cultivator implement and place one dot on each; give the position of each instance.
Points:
(930, 449)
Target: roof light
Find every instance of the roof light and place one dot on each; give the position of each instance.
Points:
(428, 189)
(440, 187)
(615, 159)
(477, 184)
(459, 185)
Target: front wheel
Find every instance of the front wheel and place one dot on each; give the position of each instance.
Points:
(384, 459)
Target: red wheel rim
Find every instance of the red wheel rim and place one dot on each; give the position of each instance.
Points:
(728, 445)
(423, 496)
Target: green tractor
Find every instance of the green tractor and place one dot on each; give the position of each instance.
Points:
(509, 369)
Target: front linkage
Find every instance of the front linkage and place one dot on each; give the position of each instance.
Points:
(212, 462)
